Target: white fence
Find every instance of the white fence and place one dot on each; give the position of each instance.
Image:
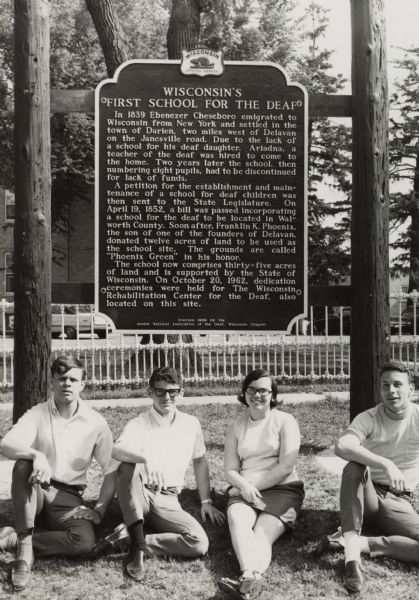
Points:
(317, 349)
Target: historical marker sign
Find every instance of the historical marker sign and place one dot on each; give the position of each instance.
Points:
(201, 196)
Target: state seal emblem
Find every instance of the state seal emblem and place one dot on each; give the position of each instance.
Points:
(202, 62)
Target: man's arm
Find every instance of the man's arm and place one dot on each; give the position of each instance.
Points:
(349, 448)
(123, 452)
(201, 470)
(12, 448)
(106, 494)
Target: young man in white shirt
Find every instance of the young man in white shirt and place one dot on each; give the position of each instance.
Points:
(382, 447)
(155, 450)
(53, 444)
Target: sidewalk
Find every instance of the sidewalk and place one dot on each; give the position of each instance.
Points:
(289, 398)
(326, 459)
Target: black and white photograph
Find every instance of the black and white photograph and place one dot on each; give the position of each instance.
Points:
(209, 286)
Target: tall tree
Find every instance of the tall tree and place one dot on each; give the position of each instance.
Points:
(184, 25)
(254, 30)
(404, 168)
(32, 233)
(110, 32)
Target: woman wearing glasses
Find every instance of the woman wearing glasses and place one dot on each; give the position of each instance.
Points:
(265, 493)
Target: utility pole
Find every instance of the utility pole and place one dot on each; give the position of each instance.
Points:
(32, 239)
(370, 204)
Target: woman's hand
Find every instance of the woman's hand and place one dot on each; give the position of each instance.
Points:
(249, 492)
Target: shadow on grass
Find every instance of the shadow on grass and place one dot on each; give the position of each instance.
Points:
(313, 448)
(6, 512)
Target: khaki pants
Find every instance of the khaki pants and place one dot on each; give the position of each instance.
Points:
(390, 514)
(66, 537)
(174, 531)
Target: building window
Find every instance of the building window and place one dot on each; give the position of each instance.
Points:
(9, 199)
(9, 284)
(405, 289)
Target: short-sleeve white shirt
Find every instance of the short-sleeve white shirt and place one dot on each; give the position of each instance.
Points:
(169, 445)
(68, 444)
(259, 443)
(395, 439)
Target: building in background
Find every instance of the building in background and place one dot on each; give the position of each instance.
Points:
(7, 220)
(72, 247)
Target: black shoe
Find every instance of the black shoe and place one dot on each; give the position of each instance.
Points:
(20, 574)
(353, 579)
(101, 548)
(230, 587)
(136, 568)
(117, 541)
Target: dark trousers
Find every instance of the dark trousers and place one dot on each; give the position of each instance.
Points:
(393, 515)
(66, 536)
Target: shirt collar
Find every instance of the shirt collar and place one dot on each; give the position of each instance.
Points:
(80, 412)
(397, 416)
(160, 421)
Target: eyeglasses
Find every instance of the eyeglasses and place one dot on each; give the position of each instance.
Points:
(261, 391)
(160, 393)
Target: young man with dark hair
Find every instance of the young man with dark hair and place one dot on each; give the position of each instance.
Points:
(382, 447)
(155, 450)
(53, 444)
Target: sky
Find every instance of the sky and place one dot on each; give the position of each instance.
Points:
(402, 32)
(402, 29)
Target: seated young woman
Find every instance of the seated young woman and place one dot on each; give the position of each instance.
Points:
(265, 493)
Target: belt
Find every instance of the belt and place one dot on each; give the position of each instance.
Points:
(387, 488)
(168, 490)
(65, 487)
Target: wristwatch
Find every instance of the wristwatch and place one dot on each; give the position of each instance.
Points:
(206, 501)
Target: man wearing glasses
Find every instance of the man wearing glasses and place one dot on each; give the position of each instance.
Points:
(155, 450)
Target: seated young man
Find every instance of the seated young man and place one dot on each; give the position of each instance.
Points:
(382, 447)
(155, 450)
(53, 444)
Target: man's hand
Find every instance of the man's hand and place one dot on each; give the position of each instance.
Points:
(250, 493)
(83, 512)
(41, 472)
(215, 515)
(395, 477)
(155, 476)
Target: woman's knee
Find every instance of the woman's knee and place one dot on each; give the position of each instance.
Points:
(240, 515)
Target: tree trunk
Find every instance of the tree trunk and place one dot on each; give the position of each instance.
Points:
(183, 33)
(370, 226)
(184, 26)
(414, 232)
(109, 30)
(32, 234)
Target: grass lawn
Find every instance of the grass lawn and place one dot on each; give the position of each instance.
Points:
(294, 573)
